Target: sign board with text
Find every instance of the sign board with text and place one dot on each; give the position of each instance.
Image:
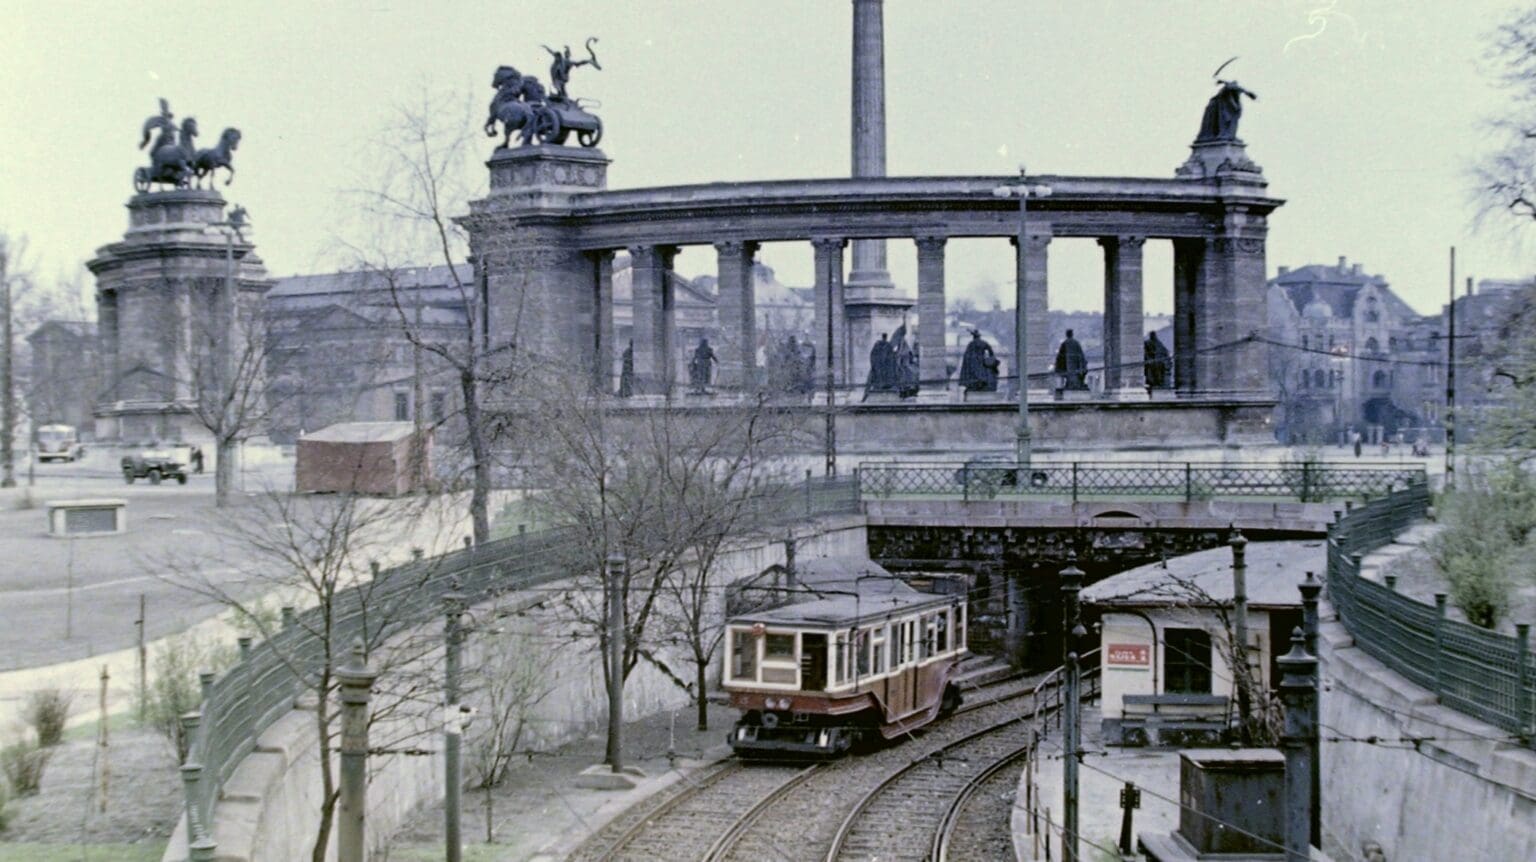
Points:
(1128, 655)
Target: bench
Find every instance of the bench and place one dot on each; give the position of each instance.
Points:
(1169, 720)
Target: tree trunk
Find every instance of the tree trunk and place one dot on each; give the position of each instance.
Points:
(227, 452)
(700, 695)
(479, 451)
(7, 384)
(490, 833)
(328, 791)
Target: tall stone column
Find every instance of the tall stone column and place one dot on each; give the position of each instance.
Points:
(930, 312)
(828, 335)
(1246, 364)
(1188, 263)
(1031, 286)
(605, 377)
(648, 274)
(668, 348)
(738, 313)
(868, 115)
(1122, 312)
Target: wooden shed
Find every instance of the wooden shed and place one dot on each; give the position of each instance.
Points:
(361, 458)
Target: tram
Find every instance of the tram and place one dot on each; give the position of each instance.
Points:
(815, 678)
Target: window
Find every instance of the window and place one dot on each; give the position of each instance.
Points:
(861, 652)
(402, 406)
(1317, 378)
(1303, 342)
(879, 650)
(941, 632)
(779, 661)
(439, 405)
(898, 644)
(1379, 379)
(743, 655)
(1186, 661)
(1372, 345)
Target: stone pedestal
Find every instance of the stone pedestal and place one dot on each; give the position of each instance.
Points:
(161, 297)
(868, 314)
(1225, 159)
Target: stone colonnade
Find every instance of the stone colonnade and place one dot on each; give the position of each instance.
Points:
(550, 280)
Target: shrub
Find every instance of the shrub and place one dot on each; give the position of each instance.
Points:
(174, 687)
(47, 712)
(1488, 542)
(23, 763)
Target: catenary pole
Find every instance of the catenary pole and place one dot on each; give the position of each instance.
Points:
(1071, 587)
(453, 730)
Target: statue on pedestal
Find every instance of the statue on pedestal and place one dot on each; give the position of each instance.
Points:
(978, 368)
(1071, 365)
(522, 104)
(562, 64)
(905, 378)
(1155, 362)
(627, 372)
(882, 367)
(700, 366)
(171, 158)
(1223, 110)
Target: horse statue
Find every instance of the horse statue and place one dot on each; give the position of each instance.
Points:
(517, 105)
(209, 160)
(171, 159)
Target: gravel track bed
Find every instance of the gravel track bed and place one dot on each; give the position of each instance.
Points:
(983, 828)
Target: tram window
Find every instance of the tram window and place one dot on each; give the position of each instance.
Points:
(941, 632)
(898, 644)
(879, 646)
(841, 671)
(743, 655)
(778, 646)
(960, 627)
(928, 637)
(861, 649)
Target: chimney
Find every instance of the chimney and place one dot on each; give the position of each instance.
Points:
(1355, 269)
(1342, 266)
(1285, 270)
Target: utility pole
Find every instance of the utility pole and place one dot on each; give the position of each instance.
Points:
(1450, 382)
(356, 687)
(1071, 586)
(1023, 443)
(615, 662)
(453, 728)
(1240, 635)
(7, 378)
(143, 662)
(1310, 589)
(1298, 690)
(831, 430)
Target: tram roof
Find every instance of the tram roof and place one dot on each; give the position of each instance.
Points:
(838, 611)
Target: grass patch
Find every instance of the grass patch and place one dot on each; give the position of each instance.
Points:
(472, 853)
(149, 851)
(122, 721)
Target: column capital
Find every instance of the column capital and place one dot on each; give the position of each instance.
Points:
(1129, 241)
(828, 242)
(733, 247)
(602, 254)
(1037, 241)
(930, 243)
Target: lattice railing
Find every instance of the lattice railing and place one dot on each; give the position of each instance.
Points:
(1484, 674)
(1075, 480)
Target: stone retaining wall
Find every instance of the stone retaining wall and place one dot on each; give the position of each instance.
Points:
(1460, 792)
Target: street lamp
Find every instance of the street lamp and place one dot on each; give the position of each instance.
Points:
(1022, 190)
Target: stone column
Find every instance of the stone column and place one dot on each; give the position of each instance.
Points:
(868, 138)
(647, 275)
(1188, 263)
(667, 350)
(930, 312)
(738, 314)
(1242, 250)
(1031, 280)
(1122, 313)
(830, 339)
(106, 326)
(606, 352)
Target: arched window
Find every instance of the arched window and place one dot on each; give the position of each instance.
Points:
(1372, 313)
(1372, 346)
(1317, 378)
(1379, 380)
(1303, 342)
(1391, 342)
(1304, 378)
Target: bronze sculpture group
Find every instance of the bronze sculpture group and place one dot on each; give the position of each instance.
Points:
(978, 367)
(522, 104)
(893, 366)
(175, 161)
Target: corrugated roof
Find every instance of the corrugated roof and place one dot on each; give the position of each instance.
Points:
(1201, 579)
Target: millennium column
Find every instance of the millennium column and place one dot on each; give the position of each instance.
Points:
(738, 314)
(873, 307)
(932, 370)
(1122, 313)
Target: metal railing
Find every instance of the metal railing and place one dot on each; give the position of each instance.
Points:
(1481, 673)
(269, 677)
(1089, 480)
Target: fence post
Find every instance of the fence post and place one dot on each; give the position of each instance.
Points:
(356, 685)
(1074, 481)
(1391, 582)
(1306, 481)
(205, 685)
(1189, 482)
(1523, 694)
(290, 617)
(807, 492)
(1439, 645)
(965, 482)
(199, 838)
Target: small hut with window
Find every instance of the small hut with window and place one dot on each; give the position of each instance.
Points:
(1166, 640)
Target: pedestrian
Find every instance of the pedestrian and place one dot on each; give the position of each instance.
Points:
(1354, 439)
(197, 459)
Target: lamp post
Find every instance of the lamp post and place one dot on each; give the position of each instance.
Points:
(1022, 190)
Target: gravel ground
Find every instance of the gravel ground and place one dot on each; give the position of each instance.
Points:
(539, 807)
(143, 795)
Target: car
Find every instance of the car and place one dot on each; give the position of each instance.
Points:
(58, 442)
(154, 465)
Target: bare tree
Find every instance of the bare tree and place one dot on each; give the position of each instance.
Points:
(513, 682)
(314, 553)
(226, 375)
(424, 161)
(1506, 175)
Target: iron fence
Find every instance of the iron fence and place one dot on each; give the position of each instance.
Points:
(269, 677)
(1088, 480)
(1484, 674)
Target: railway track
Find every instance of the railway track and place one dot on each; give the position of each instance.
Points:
(735, 811)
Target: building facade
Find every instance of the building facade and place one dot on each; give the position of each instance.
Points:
(64, 381)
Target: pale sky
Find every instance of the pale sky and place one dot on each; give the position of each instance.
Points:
(1368, 118)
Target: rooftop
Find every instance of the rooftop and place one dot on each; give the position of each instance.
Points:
(1204, 579)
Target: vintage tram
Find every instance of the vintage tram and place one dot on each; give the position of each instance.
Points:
(815, 678)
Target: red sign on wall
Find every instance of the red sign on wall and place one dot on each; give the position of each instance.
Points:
(1128, 655)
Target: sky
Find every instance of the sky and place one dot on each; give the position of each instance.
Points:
(1369, 117)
